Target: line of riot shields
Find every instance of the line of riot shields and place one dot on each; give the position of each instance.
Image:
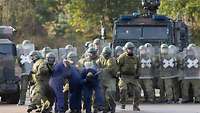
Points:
(169, 74)
(166, 74)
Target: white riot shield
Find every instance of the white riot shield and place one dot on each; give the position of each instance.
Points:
(24, 53)
(168, 66)
(147, 61)
(25, 60)
(191, 63)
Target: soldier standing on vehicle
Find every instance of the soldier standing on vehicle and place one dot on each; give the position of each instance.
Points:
(146, 72)
(128, 66)
(108, 78)
(26, 66)
(191, 69)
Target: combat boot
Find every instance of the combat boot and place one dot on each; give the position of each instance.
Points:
(123, 106)
(21, 103)
(136, 108)
(113, 108)
(31, 108)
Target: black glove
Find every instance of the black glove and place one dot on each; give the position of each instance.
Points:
(89, 77)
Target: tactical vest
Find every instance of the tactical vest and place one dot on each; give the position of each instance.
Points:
(191, 67)
(129, 64)
(35, 68)
(108, 66)
(168, 67)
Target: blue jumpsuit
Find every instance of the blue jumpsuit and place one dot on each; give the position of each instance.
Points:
(60, 74)
(89, 87)
(75, 90)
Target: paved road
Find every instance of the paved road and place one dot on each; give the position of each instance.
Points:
(187, 108)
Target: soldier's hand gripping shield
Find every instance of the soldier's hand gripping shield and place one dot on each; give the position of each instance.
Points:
(191, 62)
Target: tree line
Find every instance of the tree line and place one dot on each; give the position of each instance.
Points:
(75, 21)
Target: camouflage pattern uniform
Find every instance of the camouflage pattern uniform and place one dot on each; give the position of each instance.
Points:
(128, 66)
(118, 51)
(46, 69)
(36, 85)
(108, 78)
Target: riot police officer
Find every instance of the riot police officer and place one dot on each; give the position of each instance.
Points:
(128, 66)
(26, 66)
(108, 78)
(47, 94)
(118, 51)
(146, 72)
(190, 66)
(37, 82)
(168, 73)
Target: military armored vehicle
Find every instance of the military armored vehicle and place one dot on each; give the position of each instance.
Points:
(149, 27)
(9, 83)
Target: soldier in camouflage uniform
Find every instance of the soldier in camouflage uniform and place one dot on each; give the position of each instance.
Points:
(108, 78)
(26, 66)
(168, 73)
(118, 51)
(97, 45)
(128, 66)
(36, 87)
(47, 93)
(146, 73)
(191, 67)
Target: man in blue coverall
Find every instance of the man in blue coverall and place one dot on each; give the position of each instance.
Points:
(62, 71)
(91, 83)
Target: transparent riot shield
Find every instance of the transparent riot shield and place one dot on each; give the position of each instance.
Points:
(191, 63)
(168, 64)
(24, 51)
(19, 50)
(61, 53)
(55, 51)
(147, 60)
